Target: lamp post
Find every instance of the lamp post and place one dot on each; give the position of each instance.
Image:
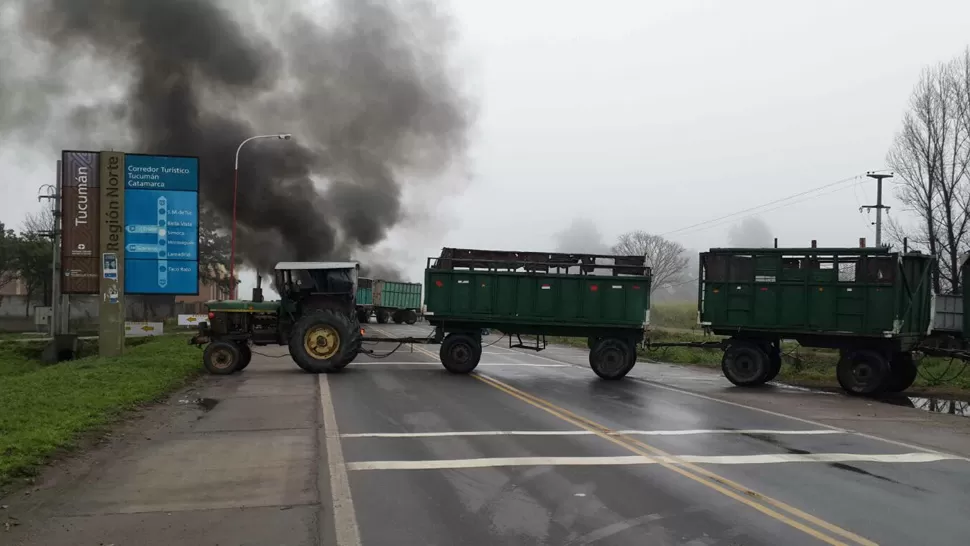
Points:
(235, 190)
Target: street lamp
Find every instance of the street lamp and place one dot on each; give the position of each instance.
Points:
(235, 189)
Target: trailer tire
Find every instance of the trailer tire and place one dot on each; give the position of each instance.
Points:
(460, 353)
(363, 316)
(221, 357)
(246, 356)
(863, 372)
(322, 341)
(902, 371)
(745, 364)
(611, 358)
(410, 317)
(382, 316)
(774, 360)
(398, 317)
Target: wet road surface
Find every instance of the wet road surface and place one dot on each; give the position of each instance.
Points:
(532, 449)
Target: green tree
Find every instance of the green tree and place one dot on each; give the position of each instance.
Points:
(33, 262)
(215, 245)
(8, 255)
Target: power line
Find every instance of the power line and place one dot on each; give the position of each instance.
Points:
(780, 206)
(751, 209)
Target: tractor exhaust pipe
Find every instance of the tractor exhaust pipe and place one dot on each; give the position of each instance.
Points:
(258, 291)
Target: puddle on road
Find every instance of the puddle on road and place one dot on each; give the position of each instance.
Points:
(205, 403)
(932, 405)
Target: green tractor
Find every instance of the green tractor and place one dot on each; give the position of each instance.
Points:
(315, 317)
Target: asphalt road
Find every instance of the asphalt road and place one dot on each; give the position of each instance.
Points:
(532, 449)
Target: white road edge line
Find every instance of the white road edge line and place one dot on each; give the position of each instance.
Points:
(344, 516)
(641, 460)
(579, 433)
(659, 385)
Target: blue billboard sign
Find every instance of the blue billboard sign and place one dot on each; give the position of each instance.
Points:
(161, 225)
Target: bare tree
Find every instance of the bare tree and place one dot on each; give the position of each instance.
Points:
(931, 157)
(41, 222)
(667, 259)
(751, 232)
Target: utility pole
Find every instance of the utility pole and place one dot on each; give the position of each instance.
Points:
(54, 194)
(878, 206)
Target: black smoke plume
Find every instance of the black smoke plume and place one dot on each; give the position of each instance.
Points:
(366, 90)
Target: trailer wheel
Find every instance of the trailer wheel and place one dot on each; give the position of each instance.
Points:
(902, 371)
(460, 353)
(245, 356)
(611, 358)
(322, 340)
(382, 316)
(745, 364)
(774, 360)
(221, 357)
(410, 317)
(397, 317)
(863, 372)
(363, 316)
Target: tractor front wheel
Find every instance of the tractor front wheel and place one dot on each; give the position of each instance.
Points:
(322, 341)
(221, 357)
(245, 354)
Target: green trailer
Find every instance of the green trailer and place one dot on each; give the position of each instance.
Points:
(603, 298)
(388, 301)
(872, 304)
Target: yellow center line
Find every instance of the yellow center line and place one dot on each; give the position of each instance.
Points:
(691, 471)
(700, 475)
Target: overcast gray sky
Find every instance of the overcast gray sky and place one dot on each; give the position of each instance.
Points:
(659, 115)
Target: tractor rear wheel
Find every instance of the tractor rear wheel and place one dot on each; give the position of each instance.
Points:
(460, 353)
(612, 358)
(221, 357)
(902, 371)
(322, 340)
(246, 356)
(745, 364)
(356, 340)
(863, 372)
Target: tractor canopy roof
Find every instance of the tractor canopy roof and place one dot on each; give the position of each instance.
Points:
(293, 266)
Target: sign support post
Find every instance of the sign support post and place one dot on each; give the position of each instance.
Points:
(111, 333)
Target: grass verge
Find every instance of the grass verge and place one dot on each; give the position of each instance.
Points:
(675, 315)
(803, 366)
(45, 408)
